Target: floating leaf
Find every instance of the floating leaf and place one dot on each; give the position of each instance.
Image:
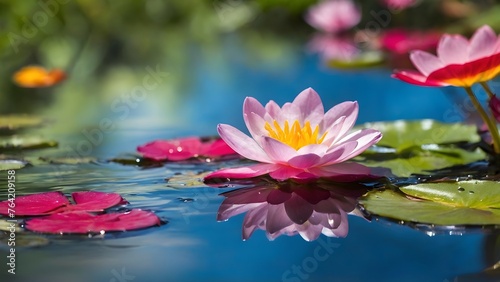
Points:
(31, 241)
(69, 161)
(11, 123)
(54, 202)
(83, 222)
(459, 203)
(187, 179)
(368, 59)
(422, 161)
(472, 193)
(8, 164)
(406, 134)
(25, 143)
(10, 226)
(409, 147)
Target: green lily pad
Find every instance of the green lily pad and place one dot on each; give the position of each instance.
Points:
(460, 203)
(7, 226)
(421, 161)
(14, 143)
(25, 240)
(69, 161)
(368, 59)
(187, 180)
(11, 123)
(410, 147)
(8, 164)
(402, 135)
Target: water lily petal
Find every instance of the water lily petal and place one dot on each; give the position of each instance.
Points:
(304, 161)
(364, 138)
(242, 144)
(309, 232)
(273, 111)
(290, 112)
(311, 106)
(416, 78)
(453, 49)
(243, 172)
(253, 114)
(277, 196)
(254, 219)
(337, 153)
(483, 43)
(425, 62)
(278, 152)
(277, 218)
(287, 172)
(348, 110)
(342, 171)
(227, 211)
(298, 209)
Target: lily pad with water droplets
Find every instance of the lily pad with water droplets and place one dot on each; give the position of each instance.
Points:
(409, 147)
(459, 203)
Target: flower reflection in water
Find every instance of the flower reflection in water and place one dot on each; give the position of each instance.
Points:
(291, 208)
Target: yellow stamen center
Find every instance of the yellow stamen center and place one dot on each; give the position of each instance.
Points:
(296, 136)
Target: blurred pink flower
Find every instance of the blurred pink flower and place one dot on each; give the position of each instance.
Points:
(333, 16)
(400, 41)
(184, 148)
(459, 62)
(291, 209)
(298, 140)
(400, 4)
(334, 47)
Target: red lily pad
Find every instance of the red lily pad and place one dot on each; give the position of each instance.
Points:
(84, 222)
(56, 202)
(184, 148)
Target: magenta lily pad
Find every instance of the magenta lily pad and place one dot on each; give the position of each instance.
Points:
(184, 148)
(83, 222)
(56, 202)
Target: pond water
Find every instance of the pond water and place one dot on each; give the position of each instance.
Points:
(192, 245)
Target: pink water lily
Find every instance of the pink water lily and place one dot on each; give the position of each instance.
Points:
(84, 222)
(56, 202)
(459, 62)
(298, 140)
(291, 209)
(334, 16)
(184, 148)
